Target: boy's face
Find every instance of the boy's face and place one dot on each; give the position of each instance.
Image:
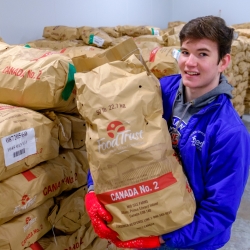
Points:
(198, 63)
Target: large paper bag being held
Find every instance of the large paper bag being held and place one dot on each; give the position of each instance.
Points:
(136, 175)
(37, 79)
(27, 138)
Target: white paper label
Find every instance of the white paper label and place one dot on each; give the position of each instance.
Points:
(155, 32)
(19, 145)
(98, 41)
(176, 54)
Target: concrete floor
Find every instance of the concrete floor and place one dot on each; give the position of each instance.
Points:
(240, 239)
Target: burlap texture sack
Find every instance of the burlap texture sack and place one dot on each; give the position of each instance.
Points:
(239, 57)
(231, 78)
(134, 31)
(244, 32)
(27, 138)
(111, 31)
(237, 100)
(81, 239)
(119, 52)
(47, 30)
(72, 129)
(241, 26)
(61, 33)
(236, 47)
(37, 79)
(49, 179)
(243, 66)
(236, 70)
(95, 37)
(26, 229)
(135, 173)
(72, 213)
(234, 92)
(244, 41)
(54, 45)
(161, 61)
(247, 56)
(245, 76)
(241, 87)
(240, 108)
(238, 79)
(243, 94)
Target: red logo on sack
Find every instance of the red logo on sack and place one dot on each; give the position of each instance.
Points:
(153, 53)
(25, 199)
(27, 220)
(114, 127)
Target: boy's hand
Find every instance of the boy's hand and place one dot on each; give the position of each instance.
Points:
(99, 216)
(142, 242)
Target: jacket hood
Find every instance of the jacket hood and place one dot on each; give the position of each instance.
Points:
(223, 88)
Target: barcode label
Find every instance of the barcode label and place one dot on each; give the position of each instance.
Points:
(20, 152)
(18, 146)
(98, 41)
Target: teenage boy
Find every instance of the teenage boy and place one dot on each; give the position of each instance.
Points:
(209, 136)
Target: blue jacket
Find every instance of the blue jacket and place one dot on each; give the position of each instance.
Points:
(217, 172)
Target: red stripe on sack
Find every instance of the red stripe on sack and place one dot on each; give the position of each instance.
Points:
(28, 175)
(36, 246)
(63, 50)
(134, 191)
(153, 53)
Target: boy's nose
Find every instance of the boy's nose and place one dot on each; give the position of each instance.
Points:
(191, 60)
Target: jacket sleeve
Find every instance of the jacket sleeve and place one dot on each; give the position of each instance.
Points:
(224, 182)
(90, 180)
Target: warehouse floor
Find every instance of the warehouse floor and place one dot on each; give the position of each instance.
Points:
(240, 238)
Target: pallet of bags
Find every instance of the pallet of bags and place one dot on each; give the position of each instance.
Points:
(33, 187)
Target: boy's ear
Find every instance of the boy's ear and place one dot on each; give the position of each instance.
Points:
(224, 62)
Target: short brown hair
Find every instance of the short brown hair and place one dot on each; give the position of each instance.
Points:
(211, 27)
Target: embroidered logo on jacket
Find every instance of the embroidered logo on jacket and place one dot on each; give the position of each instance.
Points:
(198, 139)
(176, 133)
